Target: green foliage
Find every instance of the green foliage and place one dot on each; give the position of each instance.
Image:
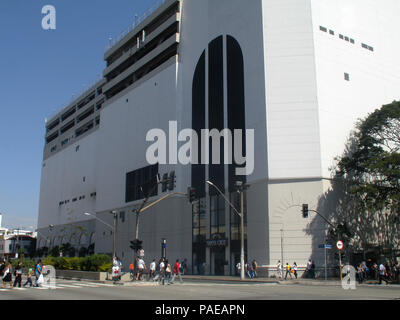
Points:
(369, 171)
(55, 252)
(106, 267)
(89, 263)
(26, 263)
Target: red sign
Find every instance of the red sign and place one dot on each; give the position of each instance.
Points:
(339, 245)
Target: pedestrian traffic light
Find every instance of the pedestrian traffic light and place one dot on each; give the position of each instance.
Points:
(191, 194)
(164, 182)
(305, 210)
(171, 181)
(136, 244)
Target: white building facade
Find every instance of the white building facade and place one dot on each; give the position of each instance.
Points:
(297, 72)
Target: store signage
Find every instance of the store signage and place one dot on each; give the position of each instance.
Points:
(217, 242)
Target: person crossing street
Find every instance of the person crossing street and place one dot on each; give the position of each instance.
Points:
(177, 272)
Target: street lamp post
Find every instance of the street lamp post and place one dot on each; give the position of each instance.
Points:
(114, 228)
(241, 188)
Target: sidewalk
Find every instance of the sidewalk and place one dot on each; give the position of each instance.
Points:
(233, 279)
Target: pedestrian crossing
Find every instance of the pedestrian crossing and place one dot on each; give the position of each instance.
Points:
(61, 284)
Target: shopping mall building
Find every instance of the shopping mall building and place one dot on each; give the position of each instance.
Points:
(295, 73)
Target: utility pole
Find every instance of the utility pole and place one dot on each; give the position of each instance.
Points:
(241, 190)
(282, 251)
(114, 234)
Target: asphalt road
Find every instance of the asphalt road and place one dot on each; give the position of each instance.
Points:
(84, 290)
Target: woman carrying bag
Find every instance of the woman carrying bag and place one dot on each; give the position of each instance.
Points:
(7, 276)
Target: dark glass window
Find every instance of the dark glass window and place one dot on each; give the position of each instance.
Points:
(199, 236)
(141, 183)
(217, 215)
(235, 219)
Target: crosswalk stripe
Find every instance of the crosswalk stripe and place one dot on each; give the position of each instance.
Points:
(66, 286)
(93, 285)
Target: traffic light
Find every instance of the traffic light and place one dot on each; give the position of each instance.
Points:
(164, 182)
(191, 194)
(171, 181)
(136, 244)
(305, 210)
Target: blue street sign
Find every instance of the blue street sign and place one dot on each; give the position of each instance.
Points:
(323, 246)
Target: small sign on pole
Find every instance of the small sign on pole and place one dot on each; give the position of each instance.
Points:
(339, 245)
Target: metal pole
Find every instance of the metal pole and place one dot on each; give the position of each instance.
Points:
(242, 234)
(137, 225)
(115, 234)
(282, 252)
(340, 265)
(326, 274)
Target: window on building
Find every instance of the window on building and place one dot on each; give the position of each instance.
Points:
(199, 235)
(352, 41)
(217, 216)
(341, 36)
(347, 77)
(323, 29)
(141, 183)
(332, 32)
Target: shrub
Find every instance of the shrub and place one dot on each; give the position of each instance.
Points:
(73, 263)
(90, 263)
(106, 267)
(26, 263)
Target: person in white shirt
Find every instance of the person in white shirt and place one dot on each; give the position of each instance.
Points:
(382, 274)
(295, 269)
(152, 269)
(141, 267)
(162, 271)
(279, 269)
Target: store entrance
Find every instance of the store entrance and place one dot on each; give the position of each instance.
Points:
(218, 261)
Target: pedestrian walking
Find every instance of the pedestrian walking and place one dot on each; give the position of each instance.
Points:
(7, 276)
(168, 270)
(142, 268)
(382, 274)
(313, 274)
(2, 267)
(152, 269)
(29, 278)
(132, 271)
(295, 269)
(238, 267)
(279, 269)
(38, 272)
(255, 266)
(184, 266)
(308, 270)
(161, 276)
(18, 274)
(247, 270)
(360, 273)
(177, 272)
(288, 270)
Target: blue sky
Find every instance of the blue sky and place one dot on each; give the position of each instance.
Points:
(40, 71)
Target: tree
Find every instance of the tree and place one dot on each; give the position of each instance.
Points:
(55, 251)
(66, 249)
(369, 177)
